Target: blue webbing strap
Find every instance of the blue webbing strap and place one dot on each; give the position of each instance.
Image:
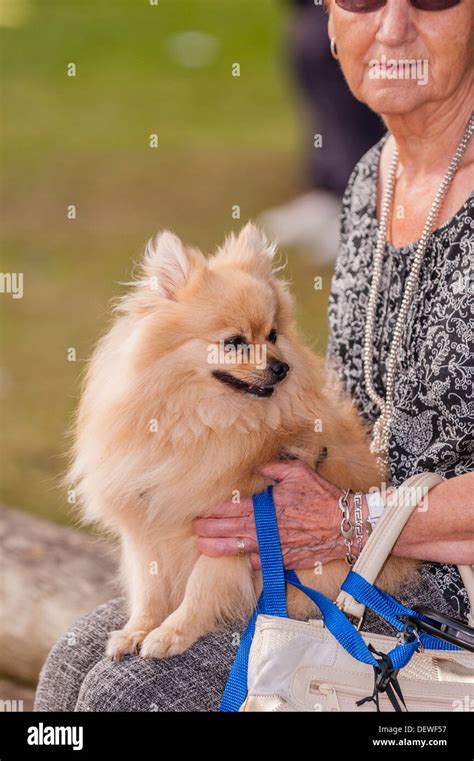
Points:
(348, 636)
(389, 609)
(235, 690)
(336, 621)
(271, 601)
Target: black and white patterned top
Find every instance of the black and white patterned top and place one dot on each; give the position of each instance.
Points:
(433, 421)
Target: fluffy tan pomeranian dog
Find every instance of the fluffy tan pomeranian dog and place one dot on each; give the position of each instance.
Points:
(168, 428)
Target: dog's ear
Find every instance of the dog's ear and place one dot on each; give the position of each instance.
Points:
(250, 249)
(168, 264)
(255, 240)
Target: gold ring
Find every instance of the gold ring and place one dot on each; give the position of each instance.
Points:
(240, 546)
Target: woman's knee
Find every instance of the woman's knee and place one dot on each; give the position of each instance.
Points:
(74, 654)
(192, 681)
(118, 686)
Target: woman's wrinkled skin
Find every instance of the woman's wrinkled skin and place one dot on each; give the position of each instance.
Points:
(426, 121)
(445, 39)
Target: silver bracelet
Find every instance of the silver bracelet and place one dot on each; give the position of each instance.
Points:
(347, 529)
(358, 520)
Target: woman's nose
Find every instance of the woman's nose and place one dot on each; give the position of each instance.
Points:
(396, 24)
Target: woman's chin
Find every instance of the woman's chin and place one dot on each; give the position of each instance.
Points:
(395, 97)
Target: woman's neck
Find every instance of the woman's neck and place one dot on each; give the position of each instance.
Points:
(426, 136)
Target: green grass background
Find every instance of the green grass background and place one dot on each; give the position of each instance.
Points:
(223, 140)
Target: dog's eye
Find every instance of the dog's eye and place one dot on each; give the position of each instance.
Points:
(234, 341)
(272, 336)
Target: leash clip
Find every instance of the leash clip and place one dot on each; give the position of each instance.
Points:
(385, 680)
(408, 634)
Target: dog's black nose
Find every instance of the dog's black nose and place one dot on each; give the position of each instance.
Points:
(279, 369)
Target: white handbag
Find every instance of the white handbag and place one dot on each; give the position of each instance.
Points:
(292, 665)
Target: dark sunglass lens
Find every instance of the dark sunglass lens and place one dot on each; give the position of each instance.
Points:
(360, 6)
(434, 5)
(368, 6)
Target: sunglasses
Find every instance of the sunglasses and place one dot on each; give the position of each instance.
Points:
(368, 6)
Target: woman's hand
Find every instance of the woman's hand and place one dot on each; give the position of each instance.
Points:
(307, 513)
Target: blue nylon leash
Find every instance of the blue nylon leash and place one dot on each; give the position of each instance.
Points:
(273, 598)
(272, 601)
(389, 609)
(235, 690)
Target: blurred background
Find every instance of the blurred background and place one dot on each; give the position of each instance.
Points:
(223, 140)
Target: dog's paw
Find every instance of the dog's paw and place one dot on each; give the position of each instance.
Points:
(124, 642)
(165, 641)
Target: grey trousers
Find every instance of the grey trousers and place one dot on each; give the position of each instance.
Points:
(78, 677)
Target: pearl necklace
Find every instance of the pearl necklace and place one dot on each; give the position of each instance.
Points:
(381, 430)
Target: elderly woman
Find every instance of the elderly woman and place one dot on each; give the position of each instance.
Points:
(399, 341)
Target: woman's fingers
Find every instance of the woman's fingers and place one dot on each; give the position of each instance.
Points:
(225, 547)
(225, 527)
(231, 509)
(218, 534)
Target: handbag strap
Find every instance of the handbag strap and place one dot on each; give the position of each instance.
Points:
(400, 506)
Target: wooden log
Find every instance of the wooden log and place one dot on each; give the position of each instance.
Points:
(50, 575)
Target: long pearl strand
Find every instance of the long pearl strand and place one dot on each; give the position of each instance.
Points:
(381, 431)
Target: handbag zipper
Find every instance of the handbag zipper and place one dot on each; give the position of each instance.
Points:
(332, 691)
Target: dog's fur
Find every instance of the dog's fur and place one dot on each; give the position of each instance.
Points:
(161, 440)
